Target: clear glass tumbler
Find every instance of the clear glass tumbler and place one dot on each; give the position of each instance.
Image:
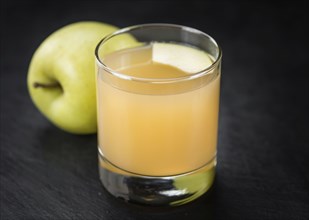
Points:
(158, 91)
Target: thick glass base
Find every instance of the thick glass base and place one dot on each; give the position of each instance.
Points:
(156, 190)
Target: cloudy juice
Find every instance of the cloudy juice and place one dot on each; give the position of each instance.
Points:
(152, 119)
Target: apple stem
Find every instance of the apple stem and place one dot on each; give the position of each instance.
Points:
(46, 85)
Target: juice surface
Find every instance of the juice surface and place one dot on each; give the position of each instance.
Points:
(156, 134)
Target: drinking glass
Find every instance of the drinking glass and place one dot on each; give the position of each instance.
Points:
(157, 136)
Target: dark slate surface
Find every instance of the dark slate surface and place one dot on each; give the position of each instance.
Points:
(263, 145)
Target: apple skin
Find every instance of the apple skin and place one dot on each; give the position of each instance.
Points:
(64, 66)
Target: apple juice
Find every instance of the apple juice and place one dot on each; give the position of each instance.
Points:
(157, 128)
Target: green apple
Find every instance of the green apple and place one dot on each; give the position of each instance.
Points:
(61, 76)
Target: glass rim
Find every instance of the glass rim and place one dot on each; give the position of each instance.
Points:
(157, 80)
